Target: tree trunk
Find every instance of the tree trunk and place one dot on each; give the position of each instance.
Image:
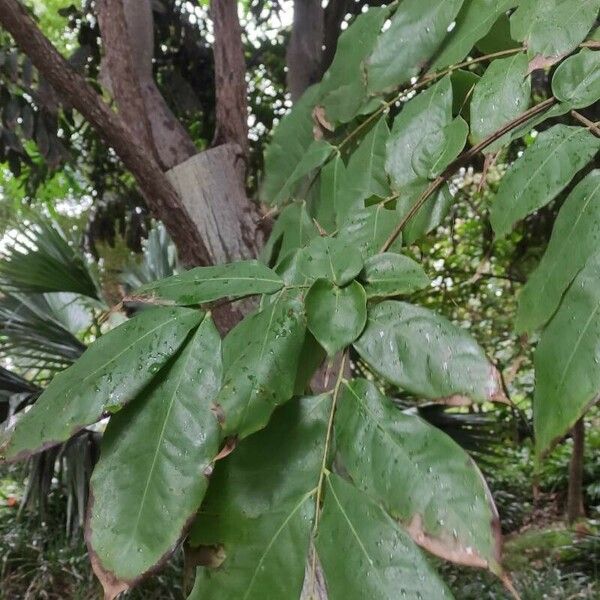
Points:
(305, 50)
(575, 507)
(230, 78)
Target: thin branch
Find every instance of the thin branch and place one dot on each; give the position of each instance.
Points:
(585, 121)
(463, 159)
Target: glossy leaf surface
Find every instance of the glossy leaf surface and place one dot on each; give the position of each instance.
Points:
(391, 274)
(260, 358)
(499, 96)
(332, 259)
(205, 284)
(576, 81)
(574, 239)
(419, 474)
(365, 554)
(261, 510)
(426, 355)
(336, 315)
(155, 457)
(543, 171)
(566, 360)
(109, 374)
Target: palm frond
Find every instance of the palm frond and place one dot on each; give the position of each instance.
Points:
(37, 257)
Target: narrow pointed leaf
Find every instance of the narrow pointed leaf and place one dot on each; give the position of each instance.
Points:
(331, 177)
(474, 21)
(553, 27)
(420, 475)
(416, 32)
(576, 81)
(426, 355)
(332, 259)
(260, 358)
(365, 554)
(344, 85)
(260, 510)
(566, 360)
(336, 316)
(543, 171)
(205, 284)
(391, 274)
(109, 374)
(425, 114)
(501, 95)
(365, 175)
(574, 239)
(291, 138)
(155, 457)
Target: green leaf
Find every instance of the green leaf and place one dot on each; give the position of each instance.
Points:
(260, 357)
(426, 355)
(365, 554)
(429, 216)
(543, 171)
(205, 284)
(553, 27)
(463, 84)
(574, 239)
(498, 38)
(336, 316)
(416, 32)
(109, 374)
(344, 85)
(474, 21)
(501, 95)
(368, 229)
(438, 149)
(365, 176)
(576, 81)
(314, 156)
(155, 457)
(419, 474)
(331, 180)
(425, 114)
(332, 259)
(293, 229)
(260, 510)
(566, 360)
(291, 139)
(392, 274)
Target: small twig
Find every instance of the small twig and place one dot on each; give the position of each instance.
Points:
(585, 121)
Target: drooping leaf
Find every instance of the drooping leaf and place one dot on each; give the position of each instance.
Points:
(474, 21)
(391, 274)
(155, 458)
(332, 259)
(574, 239)
(419, 474)
(438, 149)
(501, 95)
(576, 81)
(553, 27)
(110, 373)
(566, 360)
(543, 171)
(260, 510)
(368, 229)
(426, 355)
(206, 284)
(416, 32)
(293, 229)
(365, 175)
(429, 216)
(260, 358)
(425, 114)
(336, 315)
(291, 138)
(344, 85)
(365, 554)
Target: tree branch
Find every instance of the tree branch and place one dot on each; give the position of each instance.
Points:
(74, 90)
